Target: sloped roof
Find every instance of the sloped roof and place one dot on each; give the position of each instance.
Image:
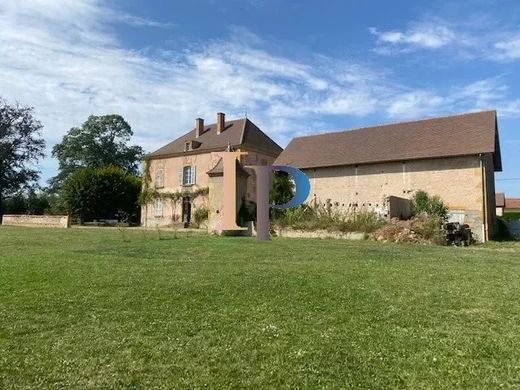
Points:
(237, 133)
(512, 203)
(500, 199)
(218, 169)
(457, 135)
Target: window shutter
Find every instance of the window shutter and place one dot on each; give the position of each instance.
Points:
(180, 176)
(194, 174)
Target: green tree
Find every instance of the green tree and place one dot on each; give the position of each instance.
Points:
(20, 148)
(102, 193)
(282, 188)
(15, 204)
(100, 141)
(282, 191)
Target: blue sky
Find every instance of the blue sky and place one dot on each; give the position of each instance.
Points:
(295, 67)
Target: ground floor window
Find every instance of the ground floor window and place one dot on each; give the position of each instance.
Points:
(158, 208)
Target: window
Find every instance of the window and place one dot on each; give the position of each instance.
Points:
(187, 146)
(159, 178)
(188, 175)
(158, 208)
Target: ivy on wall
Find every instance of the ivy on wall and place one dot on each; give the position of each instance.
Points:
(149, 194)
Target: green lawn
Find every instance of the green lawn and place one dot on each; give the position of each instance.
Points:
(101, 308)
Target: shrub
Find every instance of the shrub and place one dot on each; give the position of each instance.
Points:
(200, 215)
(362, 221)
(503, 233)
(102, 193)
(429, 228)
(509, 215)
(422, 203)
(323, 217)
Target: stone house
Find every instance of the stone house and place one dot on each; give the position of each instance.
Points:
(455, 157)
(189, 165)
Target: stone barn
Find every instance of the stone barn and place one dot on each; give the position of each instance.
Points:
(455, 157)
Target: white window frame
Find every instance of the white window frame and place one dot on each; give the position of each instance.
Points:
(187, 146)
(158, 208)
(159, 178)
(189, 174)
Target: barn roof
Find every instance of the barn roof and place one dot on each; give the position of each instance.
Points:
(456, 135)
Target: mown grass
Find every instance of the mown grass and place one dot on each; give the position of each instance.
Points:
(93, 308)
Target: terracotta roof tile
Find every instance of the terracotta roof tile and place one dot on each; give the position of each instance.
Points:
(463, 134)
(239, 132)
(512, 203)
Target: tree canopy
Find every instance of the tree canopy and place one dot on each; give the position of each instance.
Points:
(21, 146)
(102, 193)
(100, 141)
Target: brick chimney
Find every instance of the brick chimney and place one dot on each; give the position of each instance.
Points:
(221, 122)
(199, 127)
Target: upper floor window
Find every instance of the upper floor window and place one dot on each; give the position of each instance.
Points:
(188, 175)
(187, 146)
(159, 178)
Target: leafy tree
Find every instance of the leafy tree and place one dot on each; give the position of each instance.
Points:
(27, 203)
(282, 188)
(100, 141)
(282, 191)
(31, 203)
(102, 193)
(15, 204)
(422, 203)
(20, 147)
(37, 203)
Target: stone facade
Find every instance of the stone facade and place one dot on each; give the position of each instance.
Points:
(56, 221)
(465, 184)
(171, 170)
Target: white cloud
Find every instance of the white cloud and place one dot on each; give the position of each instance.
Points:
(414, 104)
(419, 36)
(64, 58)
(508, 49)
(484, 94)
(475, 39)
(68, 76)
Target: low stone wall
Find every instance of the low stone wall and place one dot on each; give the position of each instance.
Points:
(59, 221)
(319, 234)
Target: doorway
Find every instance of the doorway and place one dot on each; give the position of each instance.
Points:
(186, 211)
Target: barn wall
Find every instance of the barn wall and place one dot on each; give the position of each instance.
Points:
(457, 180)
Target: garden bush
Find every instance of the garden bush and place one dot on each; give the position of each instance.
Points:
(200, 215)
(323, 217)
(423, 203)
